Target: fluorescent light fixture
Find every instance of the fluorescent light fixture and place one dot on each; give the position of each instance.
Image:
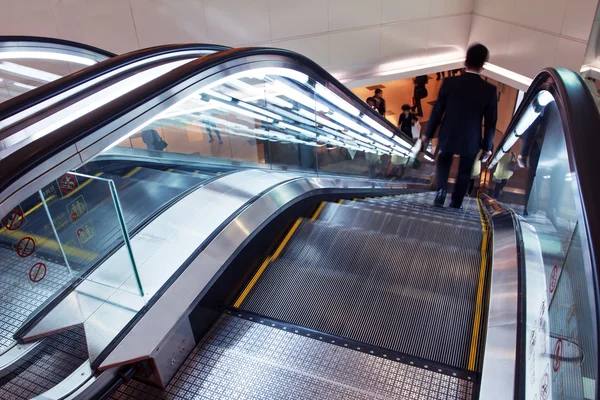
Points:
(357, 136)
(259, 110)
(336, 100)
(24, 85)
(231, 107)
(45, 55)
(297, 76)
(28, 72)
(377, 126)
(522, 79)
(54, 99)
(297, 129)
(347, 122)
(382, 147)
(218, 95)
(428, 158)
(402, 142)
(544, 98)
(87, 105)
(320, 120)
(381, 140)
(299, 97)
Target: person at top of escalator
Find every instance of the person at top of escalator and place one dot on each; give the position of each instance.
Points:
(372, 103)
(379, 101)
(407, 120)
(464, 104)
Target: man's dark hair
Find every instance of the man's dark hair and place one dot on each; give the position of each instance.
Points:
(477, 55)
(405, 107)
(377, 91)
(370, 100)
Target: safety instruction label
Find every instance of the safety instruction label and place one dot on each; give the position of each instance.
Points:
(86, 232)
(77, 208)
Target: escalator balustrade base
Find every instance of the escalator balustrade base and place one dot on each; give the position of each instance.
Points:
(242, 359)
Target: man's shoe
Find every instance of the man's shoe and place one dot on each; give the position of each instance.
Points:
(440, 198)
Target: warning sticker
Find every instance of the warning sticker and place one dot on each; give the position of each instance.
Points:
(86, 232)
(68, 183)
(558, 350)
(544, 389)
(77, 208)
(553, 279)
(37, 272)
(25, 247)
(13, 220)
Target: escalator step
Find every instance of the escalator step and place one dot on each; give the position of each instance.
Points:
(403, 283)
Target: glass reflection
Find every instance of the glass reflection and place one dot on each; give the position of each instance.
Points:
(533, 175)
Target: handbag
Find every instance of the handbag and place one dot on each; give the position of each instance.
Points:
(416, 130)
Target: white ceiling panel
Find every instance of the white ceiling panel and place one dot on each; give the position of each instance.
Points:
(291, 18)
(234, 22)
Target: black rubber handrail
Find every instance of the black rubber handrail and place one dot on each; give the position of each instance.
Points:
(51, 89)
(35, 153)
(54, 41)
(581, 125)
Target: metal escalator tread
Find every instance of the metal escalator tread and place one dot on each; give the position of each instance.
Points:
(242, 359)
(58, 357)
(405, 280)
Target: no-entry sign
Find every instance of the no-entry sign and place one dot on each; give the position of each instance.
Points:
(68, 183)
(37, 272)
(13, 220)
(25, 247)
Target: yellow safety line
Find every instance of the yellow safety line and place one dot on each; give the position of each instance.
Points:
(318, 212)
(132, 172)
(479, 301)
(170, 170)
(341, 201)
(266, 263)
(84, 184)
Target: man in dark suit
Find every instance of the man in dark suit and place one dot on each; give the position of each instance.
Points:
(464, 103)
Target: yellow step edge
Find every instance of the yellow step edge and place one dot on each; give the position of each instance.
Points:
(319, 210)
(132, 172)
(265, 264)
(479, 299)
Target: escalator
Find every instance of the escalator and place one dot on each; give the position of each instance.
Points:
(283, 244)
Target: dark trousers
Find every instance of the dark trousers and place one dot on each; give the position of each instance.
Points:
(444, 164)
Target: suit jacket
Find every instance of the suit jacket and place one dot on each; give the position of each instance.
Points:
(464, 103)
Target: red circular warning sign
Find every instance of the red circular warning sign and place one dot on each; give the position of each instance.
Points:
(557, 355)
(79, 231)
(74, 216)
(37, 272)
(553, 279)
(13, 220)
(67, 183)
(25, 247)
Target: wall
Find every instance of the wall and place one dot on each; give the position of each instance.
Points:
(526, 36)
(349, 37)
